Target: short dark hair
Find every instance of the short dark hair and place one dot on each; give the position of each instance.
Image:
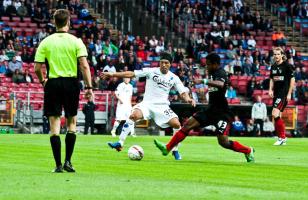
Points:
(213, 58)
(61, 16)
(166, 56)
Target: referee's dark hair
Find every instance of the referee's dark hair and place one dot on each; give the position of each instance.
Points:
(61, 16)
(213, 58)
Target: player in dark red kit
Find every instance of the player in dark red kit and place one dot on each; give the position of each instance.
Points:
(217, 114)
(281, 86)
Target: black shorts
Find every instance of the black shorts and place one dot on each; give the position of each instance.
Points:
(61, 93)
(280, 103)
(220, 119)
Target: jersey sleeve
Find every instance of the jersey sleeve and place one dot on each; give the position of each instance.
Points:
(40, 54)
(143, 73)
(81, 49)
(179, 86)
(290, 72)
(221, 76)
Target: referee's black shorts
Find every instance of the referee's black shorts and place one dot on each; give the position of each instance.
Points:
(61, 93)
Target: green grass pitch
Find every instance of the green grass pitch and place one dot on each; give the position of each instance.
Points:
(207, 171)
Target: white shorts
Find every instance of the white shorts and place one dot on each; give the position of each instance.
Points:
(161, 114)
(123, 112)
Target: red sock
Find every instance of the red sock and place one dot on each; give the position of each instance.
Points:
(280, 128)
(176, 139)
(238, 147)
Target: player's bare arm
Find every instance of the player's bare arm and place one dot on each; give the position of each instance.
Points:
(185, 96)
(127, 74)
(216, 83)
(270, 91)
(292, 84)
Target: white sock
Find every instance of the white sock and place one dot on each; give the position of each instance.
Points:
(132, 130)
(126, 130)
(115, 125)
(176, 148)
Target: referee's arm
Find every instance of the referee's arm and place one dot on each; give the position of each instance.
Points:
(39, 73)
(85, 70)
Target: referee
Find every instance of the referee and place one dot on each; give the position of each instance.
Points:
(61, 51)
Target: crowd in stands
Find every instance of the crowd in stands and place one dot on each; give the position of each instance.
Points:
(232, 34)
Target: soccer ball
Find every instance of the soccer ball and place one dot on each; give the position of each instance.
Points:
(135, 152)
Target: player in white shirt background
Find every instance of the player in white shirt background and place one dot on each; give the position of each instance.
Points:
(155, 104)
(123, 93)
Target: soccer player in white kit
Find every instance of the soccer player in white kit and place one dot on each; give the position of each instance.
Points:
(123, 93)
(155, 104)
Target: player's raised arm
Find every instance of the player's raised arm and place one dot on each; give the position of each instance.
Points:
(212, 83)
(127, 74)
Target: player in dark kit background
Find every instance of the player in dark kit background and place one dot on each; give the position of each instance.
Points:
(217, 113)
(281, 85)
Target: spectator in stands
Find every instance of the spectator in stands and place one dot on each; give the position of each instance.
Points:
(237, 65)
(89, 112)
(297, 74)
(84, 13)
(3, 68)
(11, 10)
(22, 11)
(251, 128)
(268, 128)
(247, 67)
(18, 77)
(178, 56)
(159, 48)
(255, 68)
(28, 77)
(251, 86)
(25, 56)
(153, 42)
(38, 17)
(279, 38)
(237, 128)
(3, 56)
(109, 66)
(259, 114)
(251, 43)
(139, 64)
(9, 51)
(110, 49)
(113, 84)
(231, 93)
(14, 65)
(231, 52)
(301, 93)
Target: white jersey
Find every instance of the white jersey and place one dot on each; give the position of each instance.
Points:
(158, 85)
(125, 92)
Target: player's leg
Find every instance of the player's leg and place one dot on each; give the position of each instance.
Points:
(176, 125)
(70, 105)
(278, 106)
(178, 136)
(114, 128)
(222, 130)
(53, 109)
(55, 141)
(136, 114)
(70, 140)
(129, 124)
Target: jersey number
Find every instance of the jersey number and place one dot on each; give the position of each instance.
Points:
(168, 112)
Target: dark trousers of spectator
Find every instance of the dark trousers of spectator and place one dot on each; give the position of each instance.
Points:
(260, 122)
(87, 125)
